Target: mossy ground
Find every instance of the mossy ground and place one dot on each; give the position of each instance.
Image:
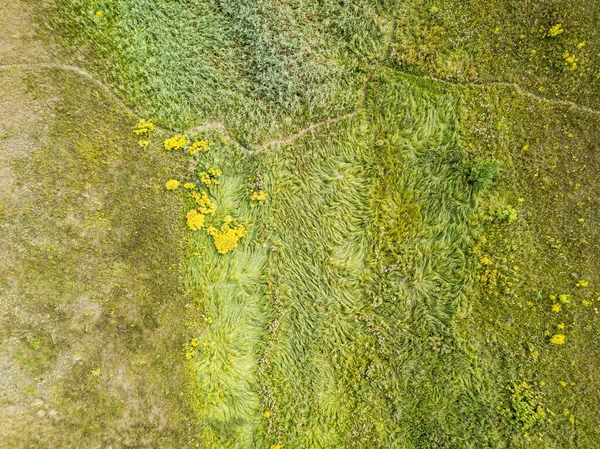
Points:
(378, 299)
(92, 297)
(550, 172)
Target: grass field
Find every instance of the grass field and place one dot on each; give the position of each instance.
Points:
(369, 224)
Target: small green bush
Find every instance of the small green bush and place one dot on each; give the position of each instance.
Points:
(484, 174)
(505, 213)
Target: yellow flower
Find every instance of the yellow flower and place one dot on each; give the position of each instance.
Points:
(99, 14)
(267, 414)
(563, 383)
(277, 446)
(172, 184)
(582, 283)
(555, 30)
(189, 185)
(201, 145)
(565, 299)
(144, 144)
(195, 220)
(561, 326)
(144, 127)
(485, 260)
(206, 205)
(258, 197)
(556, 307)
(570, 60)
(210, 177)
(177, 142)
(558, 339)
(226, 238)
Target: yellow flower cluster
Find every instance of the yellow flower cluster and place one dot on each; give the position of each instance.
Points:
(485, 260)
(257, 197)
(210, 176)
(570, 60)
(195, 220)
(191, 348)
(558, 339)
(555, 30)
(565, 299)
(172, 184)
(144, 127)
(206, 205)
(226, 238)
(144, 144)
(177, 142)
(201, 145)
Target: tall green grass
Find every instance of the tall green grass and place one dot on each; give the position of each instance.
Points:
(368, 266)
(229, 289)
(337, 317)
(265, 68)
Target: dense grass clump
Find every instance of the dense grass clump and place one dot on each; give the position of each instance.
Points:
(261, 67)
(484, 174)
(363, 308)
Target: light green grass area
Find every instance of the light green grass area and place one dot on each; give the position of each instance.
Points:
(424, 271)
(344, 334)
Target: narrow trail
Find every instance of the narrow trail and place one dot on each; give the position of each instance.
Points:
(514, 86)
(289, 139)
(308, 129)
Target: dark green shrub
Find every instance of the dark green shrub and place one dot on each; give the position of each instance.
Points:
(484, 174)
